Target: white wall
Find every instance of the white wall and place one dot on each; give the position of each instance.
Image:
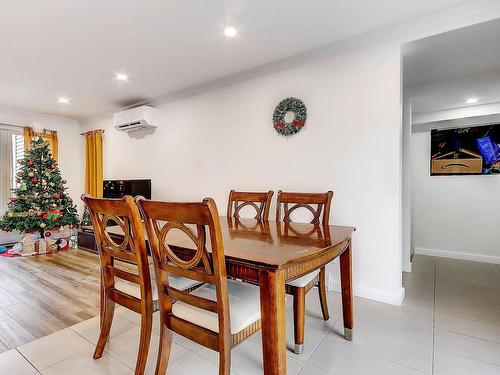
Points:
(453, 216)
(223, 139)
(69, 141)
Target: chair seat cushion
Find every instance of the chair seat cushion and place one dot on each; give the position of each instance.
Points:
(303, 280)
(134, 290)
(244, 307)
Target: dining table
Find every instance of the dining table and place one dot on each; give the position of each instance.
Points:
(270, 253)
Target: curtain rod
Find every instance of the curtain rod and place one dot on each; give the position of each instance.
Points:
(93, 131)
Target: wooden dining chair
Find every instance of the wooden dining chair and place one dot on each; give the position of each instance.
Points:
(218, 315)
(119, 285)
(298, 287)
(128, 282)
(261, 202)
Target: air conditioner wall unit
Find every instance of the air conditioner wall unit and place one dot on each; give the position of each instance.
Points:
(135, 119)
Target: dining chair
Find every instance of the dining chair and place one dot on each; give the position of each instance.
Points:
(137, 294)
(128, 281)
(298, 287)
(239, 199)
(218, 315)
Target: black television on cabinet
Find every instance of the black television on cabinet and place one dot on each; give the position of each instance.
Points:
(120, 188)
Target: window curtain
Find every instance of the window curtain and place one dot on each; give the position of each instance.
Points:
(48, 135)
(93, 162)
(6, 167)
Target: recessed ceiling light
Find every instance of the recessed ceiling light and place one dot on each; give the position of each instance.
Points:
(63, 100)
(230, 32)
(472, 100)
(121, 77)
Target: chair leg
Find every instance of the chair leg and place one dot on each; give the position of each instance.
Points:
(108, 310)
(166, 338)
(145, 338)
(322, 293)
(225, 360)
(299, 312)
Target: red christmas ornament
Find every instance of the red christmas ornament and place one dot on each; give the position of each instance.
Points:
(29, 163)
(13, 199)
(56, 196)
(39, 213)
(53, 167)
(34, 180)
(280, 126)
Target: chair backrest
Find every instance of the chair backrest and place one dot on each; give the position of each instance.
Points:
(261, 202)
(293, 201)
(196, 220)
(131, 247)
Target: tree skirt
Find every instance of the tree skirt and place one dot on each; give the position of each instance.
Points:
(7, 255)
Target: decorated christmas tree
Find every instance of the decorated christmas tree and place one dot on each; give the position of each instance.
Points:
(39, 202)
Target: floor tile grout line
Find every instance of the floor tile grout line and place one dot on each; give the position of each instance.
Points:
(53, 364)
(27, 360)
(472, 337)
(471, 358)
(118, 359)
(308, 361)
(397, 317)
(321, 341)
(361, 349)
(496, 311)
(188, 357)
(468, 307)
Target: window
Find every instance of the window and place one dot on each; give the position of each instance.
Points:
(17, 154)
(11, 149)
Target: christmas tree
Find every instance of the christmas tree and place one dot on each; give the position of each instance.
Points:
(39, 201)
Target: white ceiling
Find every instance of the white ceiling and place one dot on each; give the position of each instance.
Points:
(55, 48)
(441, 72)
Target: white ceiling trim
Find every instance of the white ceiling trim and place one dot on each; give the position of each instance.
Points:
(35, 115)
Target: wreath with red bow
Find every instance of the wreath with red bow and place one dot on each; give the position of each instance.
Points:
(293, 125)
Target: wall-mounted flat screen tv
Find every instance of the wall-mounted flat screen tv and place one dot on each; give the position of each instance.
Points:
(465, 151)
(120, 188)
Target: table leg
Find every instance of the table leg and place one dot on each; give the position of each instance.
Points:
(346, 284)
(272, 308)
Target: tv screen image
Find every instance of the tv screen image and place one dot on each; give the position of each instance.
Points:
(465, 151)
(120, 188)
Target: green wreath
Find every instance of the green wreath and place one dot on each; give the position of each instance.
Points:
(297, 107)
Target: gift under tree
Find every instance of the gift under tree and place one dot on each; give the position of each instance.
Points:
(39, 202)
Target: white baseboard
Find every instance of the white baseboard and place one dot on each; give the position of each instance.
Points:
(373, 294)
(457, 255)
(407, 267)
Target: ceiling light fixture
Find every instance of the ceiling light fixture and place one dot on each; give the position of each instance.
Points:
(63, 100)
(230, 32)
(472, 100)
(121, 77)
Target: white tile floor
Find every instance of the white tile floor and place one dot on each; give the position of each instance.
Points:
(448, 324)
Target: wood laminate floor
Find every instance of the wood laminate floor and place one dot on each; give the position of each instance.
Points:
(40, 295)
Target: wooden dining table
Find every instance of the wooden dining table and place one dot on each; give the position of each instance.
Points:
(269, 253)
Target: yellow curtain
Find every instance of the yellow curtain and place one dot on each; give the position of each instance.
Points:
(93, 163)
(48, 135)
